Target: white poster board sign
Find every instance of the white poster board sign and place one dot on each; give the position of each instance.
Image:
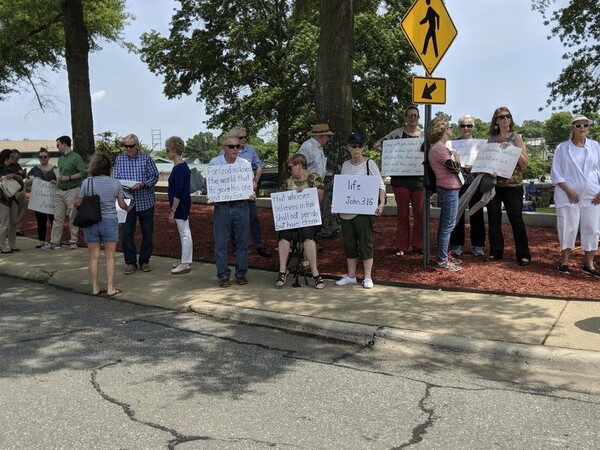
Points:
(293, 209)
(402, 157)
(121, 213)
(492, 158)
(41, 198)
(355, 194)
(467, 149)
(229, 182)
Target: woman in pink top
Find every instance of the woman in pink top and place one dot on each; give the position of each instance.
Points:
(446, 165)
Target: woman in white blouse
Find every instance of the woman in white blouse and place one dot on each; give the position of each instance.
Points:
(357, 229)
(576, 175)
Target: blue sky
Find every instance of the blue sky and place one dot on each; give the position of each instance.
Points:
(501, 56)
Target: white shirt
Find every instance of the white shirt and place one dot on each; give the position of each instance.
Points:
(315, 157)
(584, 180)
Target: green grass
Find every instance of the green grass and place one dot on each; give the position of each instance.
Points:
(546, 210)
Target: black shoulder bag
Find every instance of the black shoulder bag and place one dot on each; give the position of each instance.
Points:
(89, 211)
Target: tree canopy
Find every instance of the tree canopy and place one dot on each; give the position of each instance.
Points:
(253, 62)
(577, 25)
(32, 36)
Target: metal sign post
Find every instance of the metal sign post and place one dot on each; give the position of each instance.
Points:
(427, 206)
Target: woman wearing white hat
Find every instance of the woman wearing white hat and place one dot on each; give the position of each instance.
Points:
(576, 175)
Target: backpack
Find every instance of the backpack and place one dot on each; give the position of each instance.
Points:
(429, 180)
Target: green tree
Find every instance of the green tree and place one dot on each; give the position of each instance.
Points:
(577, 25)
(531, 129)
(203, 146)
(254, 62)
(37, 35)
(557, 128)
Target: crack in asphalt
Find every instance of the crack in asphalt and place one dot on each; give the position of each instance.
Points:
(45, 337)
(421, 429)
(178, 438)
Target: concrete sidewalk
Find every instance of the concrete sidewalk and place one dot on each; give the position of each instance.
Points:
(476, 322)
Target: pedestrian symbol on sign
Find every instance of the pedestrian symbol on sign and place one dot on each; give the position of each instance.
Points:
(433, 20)
(430, 31)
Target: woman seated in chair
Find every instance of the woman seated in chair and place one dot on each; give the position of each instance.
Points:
(300, 179)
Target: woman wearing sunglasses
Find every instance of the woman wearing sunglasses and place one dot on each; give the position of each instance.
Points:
(509, 191)
(466, 124)
(357, 229)
(576, 175)
(44, 172)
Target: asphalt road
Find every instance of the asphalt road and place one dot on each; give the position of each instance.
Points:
(88, 372)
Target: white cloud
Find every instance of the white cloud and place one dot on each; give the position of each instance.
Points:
(97, 96)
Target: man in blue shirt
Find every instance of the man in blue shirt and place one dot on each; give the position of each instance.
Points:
(231, 217)
(135, 166)
(532, 193)
(249, 153)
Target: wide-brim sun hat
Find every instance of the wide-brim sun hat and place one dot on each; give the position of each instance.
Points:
(320, 129)
(579, 117)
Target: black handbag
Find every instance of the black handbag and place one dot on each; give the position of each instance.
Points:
(89, 211)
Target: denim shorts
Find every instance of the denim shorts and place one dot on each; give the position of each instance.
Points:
(105, 231)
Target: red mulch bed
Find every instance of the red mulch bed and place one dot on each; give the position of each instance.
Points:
(539, 279)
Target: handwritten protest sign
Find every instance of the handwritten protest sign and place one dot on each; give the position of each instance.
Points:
(293, 209)
(402, 157)
(492, 158)
(467, 149)
(355, 194)
(41, 198)
(229, 182)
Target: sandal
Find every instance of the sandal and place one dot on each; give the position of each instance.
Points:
(319, 283)
(282, 278)
(399, 253)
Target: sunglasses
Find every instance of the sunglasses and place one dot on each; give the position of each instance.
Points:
(355, 146)
(581, 125)
(466, 125)
(504, 116)
(128, 145)
(233, 146)
(242, 137)
(42, 157)
(412, 116)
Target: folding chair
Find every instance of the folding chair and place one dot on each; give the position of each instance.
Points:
(298, 253)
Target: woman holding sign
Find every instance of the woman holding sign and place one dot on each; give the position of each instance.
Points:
(357, 229)
(508, 191)
(446, 165)
(300, 179)
(44, 171)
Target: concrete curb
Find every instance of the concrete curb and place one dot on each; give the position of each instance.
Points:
(331, 329)
(580, 361)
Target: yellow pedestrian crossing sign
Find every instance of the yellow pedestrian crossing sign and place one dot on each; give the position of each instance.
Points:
(428, 90)
(430, 30)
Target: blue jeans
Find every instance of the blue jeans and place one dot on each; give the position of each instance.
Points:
(448, 200)
(231, 217)
(146, 218)
(254, 227)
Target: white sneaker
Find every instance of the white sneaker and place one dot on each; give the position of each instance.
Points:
(181, 269)
(345, 281)
(456, 250)
(51, 246)
(368, 283)
(73, 246)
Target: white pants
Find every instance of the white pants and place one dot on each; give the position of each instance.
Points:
(585, 220)
(185, 236)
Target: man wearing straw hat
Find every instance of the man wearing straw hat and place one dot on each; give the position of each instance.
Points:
(312, 149)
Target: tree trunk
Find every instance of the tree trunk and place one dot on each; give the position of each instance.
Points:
(283, 145)
(76, 55)
(334, 89)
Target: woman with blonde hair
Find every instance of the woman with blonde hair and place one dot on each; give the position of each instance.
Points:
(446, 165)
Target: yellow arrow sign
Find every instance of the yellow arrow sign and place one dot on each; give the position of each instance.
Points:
(427, 90)
(430, 30)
